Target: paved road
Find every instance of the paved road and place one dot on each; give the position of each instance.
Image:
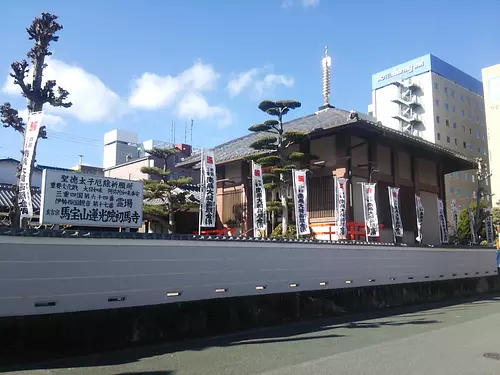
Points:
(439, 341)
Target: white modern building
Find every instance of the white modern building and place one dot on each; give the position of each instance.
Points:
(430, 98)
(491, 82)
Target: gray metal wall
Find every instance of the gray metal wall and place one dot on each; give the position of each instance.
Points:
(48, 275)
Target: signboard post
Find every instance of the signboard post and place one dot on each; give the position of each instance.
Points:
(86, 200)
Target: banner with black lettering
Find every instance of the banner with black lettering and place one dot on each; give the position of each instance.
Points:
(443, 227)
(259, 199)
(370, 210)
(419, 209)
(472, 222)
(341, 206)
(25, 202)
(490, 233)
(300, 197)
(397, 223)
(454, 215)
(209, 190)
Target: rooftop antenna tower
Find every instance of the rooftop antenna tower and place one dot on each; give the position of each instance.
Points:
(326, 80)
(185, 132)
(191, 132)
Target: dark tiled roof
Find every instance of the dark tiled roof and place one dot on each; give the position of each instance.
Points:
(6, 195)
(322, 120)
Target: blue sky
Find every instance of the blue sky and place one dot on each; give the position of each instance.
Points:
(138, 66)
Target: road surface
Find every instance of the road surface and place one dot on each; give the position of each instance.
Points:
(446, 340)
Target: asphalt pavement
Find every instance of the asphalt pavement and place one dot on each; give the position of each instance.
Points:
(461, 339)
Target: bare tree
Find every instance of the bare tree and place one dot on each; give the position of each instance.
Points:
(42, 31)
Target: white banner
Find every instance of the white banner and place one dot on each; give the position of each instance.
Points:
(341, 206)
(472, 222)
(419, 209)
(25, 201)
(443, 227)
(370, 210)
(209, 191)
(490, 233)
(259, 199)
(454, 215)
(397, 223)
(87, 200)
(300, 197)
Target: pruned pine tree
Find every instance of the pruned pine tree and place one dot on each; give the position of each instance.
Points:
(272, 151)
(160, 186)
(42, 31)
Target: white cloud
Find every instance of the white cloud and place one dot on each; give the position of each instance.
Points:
(194, 106)
(92, 100)
(152, 91)
(257, 82)
(304, 3)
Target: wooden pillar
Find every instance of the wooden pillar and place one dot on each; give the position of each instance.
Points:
(415, 174)
(441, 184)
(372, 161)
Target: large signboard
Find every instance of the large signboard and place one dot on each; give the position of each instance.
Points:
(87, 200)
(402, 71)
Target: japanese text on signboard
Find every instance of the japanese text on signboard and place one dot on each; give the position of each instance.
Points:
(259, 198)
(209, 193)
(87, 200)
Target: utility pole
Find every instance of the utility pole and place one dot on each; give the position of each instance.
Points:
(482, 175)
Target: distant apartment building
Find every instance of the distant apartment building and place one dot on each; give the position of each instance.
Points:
(124, 156)
(429, 98)
(491, 85)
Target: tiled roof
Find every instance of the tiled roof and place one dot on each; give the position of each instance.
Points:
(193, 194)
(6, 195)
(322, 120)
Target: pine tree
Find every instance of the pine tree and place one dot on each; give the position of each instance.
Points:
(161, 186)
(42, 31)
(272, 151)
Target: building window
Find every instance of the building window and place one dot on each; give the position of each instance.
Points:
(470, 131)
(479, 149)
(437, 102)
(457, 175)
(461, 97)
(465, 144)
(454, 125)
(485, 152)
(447, 122)
(437, 119)
(446, 90)
(463, 128)
(459, 191)
(482, 123)
(456, 142)
(436, 86)
(451, 189)
(484, 136)
(478, 134)
(466, 177)
(453, 109)
(471, 147)
(467, 193)
(447, 139)
(468, 100)
(475, 105)
(452, 93)
(438, 136)
(463, 113)
(446, 106)
(469, 115)
(477, 119)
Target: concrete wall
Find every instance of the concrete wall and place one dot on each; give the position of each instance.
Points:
(53, 275)
(8, 171)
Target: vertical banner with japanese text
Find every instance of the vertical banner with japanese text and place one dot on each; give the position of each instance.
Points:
(419, 210)
(454, 215)
(397, 222)
(300, 197)
(341, 206)
(472, 222)
(443, 227)
(209, 195)
(259, 199)
(25, 201)
(488, 222)
(370, 210)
